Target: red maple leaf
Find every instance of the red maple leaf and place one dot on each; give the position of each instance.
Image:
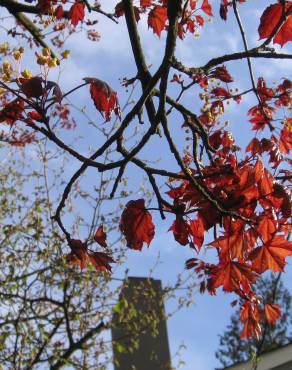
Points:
(136, 224)
(232, 276)
(264, 92)
(232, 245)
(247, 183)
(76, 13)
(206, 7)
(78, 254)
(250, 316)
(157, 19)
(71, 259)
(104, 97)
(269, 20)
(254, 147)
(200, 20)
(271, 255)
(180, 230)
(267, 227)
(197, 231)
(266, 185)
(101, 261)
(272, 312)
(100, 236)
(285, 141)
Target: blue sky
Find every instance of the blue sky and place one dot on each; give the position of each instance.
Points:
(111, 59)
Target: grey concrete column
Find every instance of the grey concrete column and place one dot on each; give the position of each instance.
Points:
(139, 330)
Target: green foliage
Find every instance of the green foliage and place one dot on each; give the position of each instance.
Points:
(54, 314)
(49, 310)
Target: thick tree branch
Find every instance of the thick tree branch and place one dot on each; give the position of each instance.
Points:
(252, 53)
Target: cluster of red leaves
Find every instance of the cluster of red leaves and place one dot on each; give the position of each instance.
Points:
(249, 244)
(221, 73)
(252, 313)
(276, 147)
(216, 95)
(12, 111)
(34, 92)
(32, 88)
(262, 115)
(272, 16)
(245, 249)
(190, 20)
(158, 19)
(270, 19)
(75, 14)
(275, 22)
(27, 108)
(37, 87)
(62, 113)
(16, 138)
(80, 254)
(243, 201)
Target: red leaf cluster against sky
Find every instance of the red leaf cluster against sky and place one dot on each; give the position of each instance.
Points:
(236, 195)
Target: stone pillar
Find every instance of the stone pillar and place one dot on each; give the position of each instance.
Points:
(139, 330)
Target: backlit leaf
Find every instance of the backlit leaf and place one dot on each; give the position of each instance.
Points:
(136, 224)
(272, 312)
(206, 7)
(76, 13)
(271, 255)
(269, 20)
(101, 261)
(181, 230)
(157, 19)
(100, 236)
(104, 97)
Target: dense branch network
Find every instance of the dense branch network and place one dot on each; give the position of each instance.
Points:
(215, 189)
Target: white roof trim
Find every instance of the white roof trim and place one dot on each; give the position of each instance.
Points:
(268, 360)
